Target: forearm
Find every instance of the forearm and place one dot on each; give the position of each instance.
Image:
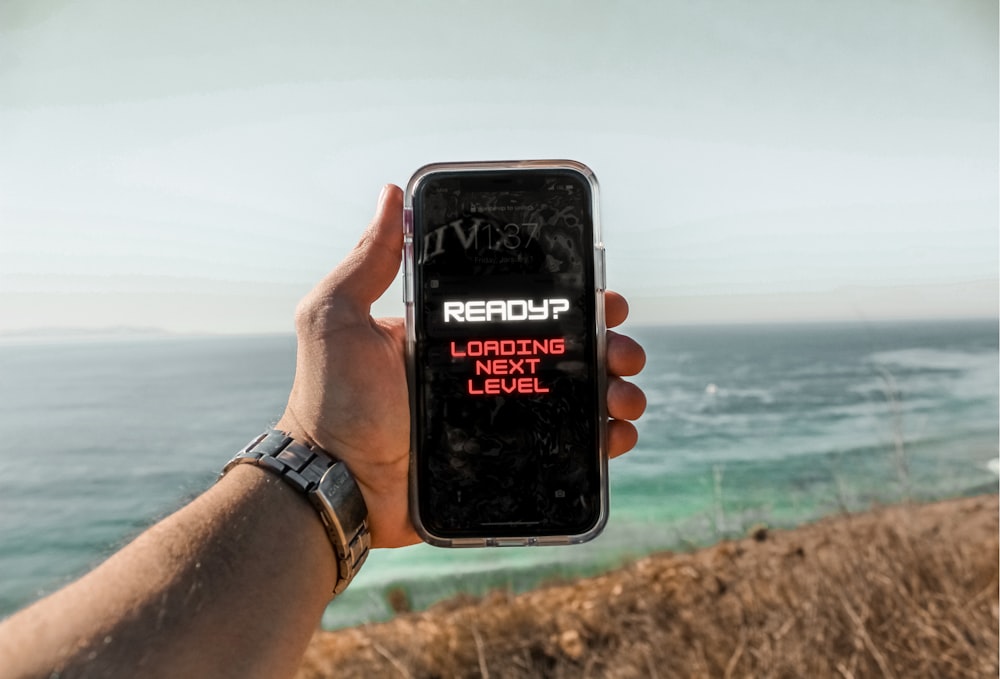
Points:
(233, 584)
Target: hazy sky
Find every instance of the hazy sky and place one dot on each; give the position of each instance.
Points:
(197, 166)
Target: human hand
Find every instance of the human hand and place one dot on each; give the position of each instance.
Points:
(350, 396)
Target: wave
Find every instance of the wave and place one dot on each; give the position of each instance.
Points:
(926, 359)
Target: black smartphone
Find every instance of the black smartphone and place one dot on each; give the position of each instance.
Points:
(504, 291)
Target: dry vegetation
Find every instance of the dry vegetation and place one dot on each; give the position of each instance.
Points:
(907, 591)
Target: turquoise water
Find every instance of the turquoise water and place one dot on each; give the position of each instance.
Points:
(776, 424)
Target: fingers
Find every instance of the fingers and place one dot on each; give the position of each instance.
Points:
(625, 355)
(369, 269)
(615, 308)
(622, 437)
(625, 400)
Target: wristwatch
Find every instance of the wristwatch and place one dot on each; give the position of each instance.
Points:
(327, 484)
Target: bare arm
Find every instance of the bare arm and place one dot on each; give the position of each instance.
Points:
(221, 588)
(234, 584)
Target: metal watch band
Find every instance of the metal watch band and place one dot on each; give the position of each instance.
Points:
(327, 484)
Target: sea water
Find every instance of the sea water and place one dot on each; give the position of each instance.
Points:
(745, 425)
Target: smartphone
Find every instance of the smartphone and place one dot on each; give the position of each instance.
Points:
(504, 291)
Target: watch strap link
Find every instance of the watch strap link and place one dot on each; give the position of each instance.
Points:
(327, 484)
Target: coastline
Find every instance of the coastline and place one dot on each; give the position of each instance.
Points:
(905, 590)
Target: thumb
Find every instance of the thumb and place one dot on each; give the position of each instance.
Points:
(369, 269)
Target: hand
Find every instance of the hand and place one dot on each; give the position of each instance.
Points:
(350, 397)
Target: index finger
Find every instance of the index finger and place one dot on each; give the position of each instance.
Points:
(615, 308)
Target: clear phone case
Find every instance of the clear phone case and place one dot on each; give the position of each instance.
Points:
(599, 328)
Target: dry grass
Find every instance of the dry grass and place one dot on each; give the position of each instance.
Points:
(907, 591)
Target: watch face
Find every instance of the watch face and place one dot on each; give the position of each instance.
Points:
(507, 410)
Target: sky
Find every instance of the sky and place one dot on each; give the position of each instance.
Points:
(197, 167)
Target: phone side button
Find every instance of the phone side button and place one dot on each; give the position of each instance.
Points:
(407, 274)
(510, 542)
(603, 284)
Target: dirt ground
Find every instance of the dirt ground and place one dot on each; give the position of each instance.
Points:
(904, 591)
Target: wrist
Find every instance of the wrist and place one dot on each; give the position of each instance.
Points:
(256, 487)
(290, 425)
(328, 486)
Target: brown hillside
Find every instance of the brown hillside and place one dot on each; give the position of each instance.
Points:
(906, 591)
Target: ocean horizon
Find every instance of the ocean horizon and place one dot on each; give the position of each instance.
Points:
(775, 424)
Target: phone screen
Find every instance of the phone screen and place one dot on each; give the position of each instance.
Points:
(508, 415)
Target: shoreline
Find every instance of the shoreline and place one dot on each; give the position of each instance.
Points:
(905, 590)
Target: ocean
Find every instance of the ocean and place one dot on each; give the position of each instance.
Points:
(749, 425)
